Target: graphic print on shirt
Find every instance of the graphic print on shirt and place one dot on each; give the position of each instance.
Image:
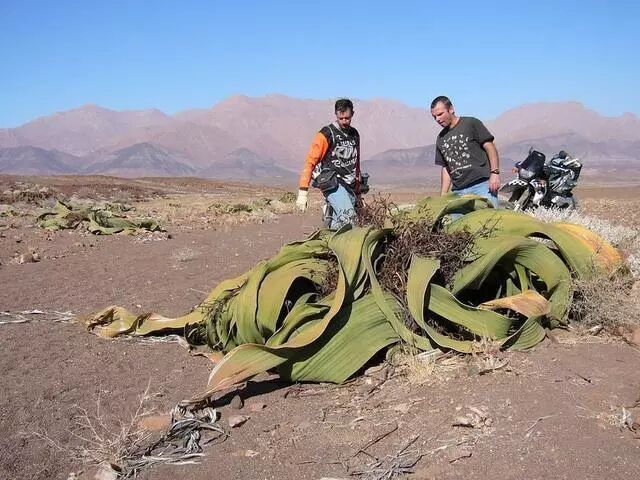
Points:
(455, 150)
(342, 156)
(345, 153)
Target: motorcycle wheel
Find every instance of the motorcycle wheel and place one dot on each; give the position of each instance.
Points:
(523, 202)
(574, 203)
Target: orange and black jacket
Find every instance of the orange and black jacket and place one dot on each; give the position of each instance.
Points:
(334, 149)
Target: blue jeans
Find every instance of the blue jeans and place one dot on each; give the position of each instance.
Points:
(481, 189)
(343, 203)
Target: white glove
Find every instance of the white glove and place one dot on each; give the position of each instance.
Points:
(301, 202)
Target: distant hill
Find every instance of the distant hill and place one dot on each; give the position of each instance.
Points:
(30, 160)
(141, 159)
(245, 136)
(84, 129)
(414, 165)
(243, 164)
(547, 119)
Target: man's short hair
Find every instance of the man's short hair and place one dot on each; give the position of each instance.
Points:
(441, 99)
(343, 105)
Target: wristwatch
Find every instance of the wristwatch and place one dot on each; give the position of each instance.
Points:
(496, 171)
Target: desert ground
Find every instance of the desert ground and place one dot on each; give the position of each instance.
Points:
(563, 409)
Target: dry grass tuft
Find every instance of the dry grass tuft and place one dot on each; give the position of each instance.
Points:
(28, 193)
(417, 238)
(488, 357)
(185, 254)
(427, 367)
(203, 212)
(98, 442)
(376, 212)
(330, 280)
(606, 300)
(288, 197)
(411, 237)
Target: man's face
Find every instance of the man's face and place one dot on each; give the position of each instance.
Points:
(442, 114)
(344, 118)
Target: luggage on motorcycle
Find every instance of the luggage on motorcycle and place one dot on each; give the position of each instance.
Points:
(531, 167)
(563, 173)
(326, 181)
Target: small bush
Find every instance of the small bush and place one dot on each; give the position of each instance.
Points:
(31, 194)
(606, 300)
(221, 208)
(185, 254)
(263, 202)
(288, 197)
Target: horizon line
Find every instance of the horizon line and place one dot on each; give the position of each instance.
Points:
(276, 94)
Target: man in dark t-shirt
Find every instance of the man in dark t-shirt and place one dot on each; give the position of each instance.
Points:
(466, 153)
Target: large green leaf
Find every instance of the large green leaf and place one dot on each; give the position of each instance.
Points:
(510, 251)
(580, 248)
(434, 208)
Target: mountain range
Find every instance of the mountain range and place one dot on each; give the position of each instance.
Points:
(266, 138)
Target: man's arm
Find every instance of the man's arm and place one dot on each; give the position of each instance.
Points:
(317, 151)
(445, 178)
(494, 162)
(319, 147)
(445, 181)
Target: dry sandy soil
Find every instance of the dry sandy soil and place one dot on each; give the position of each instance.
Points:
(552, 412)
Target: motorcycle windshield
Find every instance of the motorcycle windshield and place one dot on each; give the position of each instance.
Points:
(531, 167)
(526, 174)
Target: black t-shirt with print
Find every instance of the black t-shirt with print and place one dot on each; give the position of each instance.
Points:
(459, 149)
(342, 153)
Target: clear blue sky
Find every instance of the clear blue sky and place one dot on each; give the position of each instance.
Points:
(173, 55)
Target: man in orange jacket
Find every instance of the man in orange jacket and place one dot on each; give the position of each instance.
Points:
(333, 163)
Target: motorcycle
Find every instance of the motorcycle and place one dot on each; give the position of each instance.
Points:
(544, 183)
(327, 210)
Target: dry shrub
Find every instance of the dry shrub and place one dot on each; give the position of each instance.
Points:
(126, 196)
(222, 208)
(607, 300)
(279, 207)
(7, 211)
(23, 193)
(375, 213)
(288, 197)
(329, 281)
(184, 254)
(262, 202)
(411, 237)
(97, 440)
(428, 368)
(414, 237)
(87, 193)
(198, 212)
